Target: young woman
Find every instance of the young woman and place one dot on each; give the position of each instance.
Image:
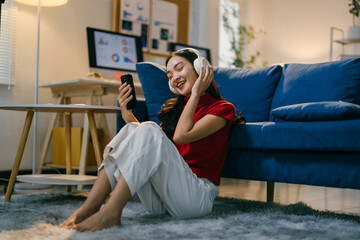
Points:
(173, 168)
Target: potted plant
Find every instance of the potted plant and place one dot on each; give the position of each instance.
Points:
(240, 38)
(354, 31)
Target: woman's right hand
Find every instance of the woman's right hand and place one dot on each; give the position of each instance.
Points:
(125, 97)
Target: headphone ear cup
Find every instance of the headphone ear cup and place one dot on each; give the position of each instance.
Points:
(199, 63)
(172, 89)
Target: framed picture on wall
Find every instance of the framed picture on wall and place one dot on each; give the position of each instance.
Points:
(164, 23)
(157, 22)
(135, 19)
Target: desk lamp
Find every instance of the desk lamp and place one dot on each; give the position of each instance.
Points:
(39, 4)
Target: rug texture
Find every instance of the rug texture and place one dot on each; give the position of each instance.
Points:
(36, 217)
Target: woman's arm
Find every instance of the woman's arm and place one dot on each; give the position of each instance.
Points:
(124, 98)
(201, 129)
(186, 131)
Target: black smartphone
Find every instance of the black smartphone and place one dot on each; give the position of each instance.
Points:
(129, 80)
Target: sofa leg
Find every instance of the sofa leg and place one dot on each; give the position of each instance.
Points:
(270, 187)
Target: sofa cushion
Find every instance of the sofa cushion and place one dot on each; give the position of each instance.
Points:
(317, 111)
(250, 90)
(155, 86)
(321, 135)
(329, 81)
(247, 136)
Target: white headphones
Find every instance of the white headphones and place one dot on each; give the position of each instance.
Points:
(198, 63)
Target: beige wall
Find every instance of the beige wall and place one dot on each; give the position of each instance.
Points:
(63, 55)
(296, 31)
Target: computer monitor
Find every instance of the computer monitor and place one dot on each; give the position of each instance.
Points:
(204, 51)
(113, 51)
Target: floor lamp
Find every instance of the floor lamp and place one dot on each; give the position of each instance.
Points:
(39, 4)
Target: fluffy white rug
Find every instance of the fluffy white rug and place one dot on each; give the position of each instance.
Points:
(36, 217)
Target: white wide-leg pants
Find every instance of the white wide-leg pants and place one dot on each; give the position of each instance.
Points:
(152, 167)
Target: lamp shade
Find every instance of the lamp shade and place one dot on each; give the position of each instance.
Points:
(43, 3)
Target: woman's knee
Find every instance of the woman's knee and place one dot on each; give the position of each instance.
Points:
(150, 127)
(149, 124)
(128, 128)
(131, 125)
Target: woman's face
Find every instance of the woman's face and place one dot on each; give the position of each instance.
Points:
(181, 74)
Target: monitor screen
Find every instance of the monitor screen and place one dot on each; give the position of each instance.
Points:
(204, 51)
(113, 50)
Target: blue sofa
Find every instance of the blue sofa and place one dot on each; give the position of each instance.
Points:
(303, 121)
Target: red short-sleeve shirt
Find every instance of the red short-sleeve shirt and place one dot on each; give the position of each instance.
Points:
(206, 156)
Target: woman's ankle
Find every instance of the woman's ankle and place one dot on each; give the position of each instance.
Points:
(90, 208)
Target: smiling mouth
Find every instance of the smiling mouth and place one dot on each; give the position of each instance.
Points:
(180, 84)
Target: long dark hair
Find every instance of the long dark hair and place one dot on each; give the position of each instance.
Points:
(171, 110)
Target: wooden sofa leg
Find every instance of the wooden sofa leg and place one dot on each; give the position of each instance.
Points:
(270, 187)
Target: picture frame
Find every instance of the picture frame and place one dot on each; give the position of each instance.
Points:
(154, 45)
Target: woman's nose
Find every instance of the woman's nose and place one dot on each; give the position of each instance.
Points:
(173, 82)
(176, 77)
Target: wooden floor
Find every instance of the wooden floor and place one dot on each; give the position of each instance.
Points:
(321, 198)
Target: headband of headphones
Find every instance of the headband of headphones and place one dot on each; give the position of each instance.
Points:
(198, 63)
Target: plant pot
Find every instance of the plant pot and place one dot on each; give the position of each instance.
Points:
(353, 32)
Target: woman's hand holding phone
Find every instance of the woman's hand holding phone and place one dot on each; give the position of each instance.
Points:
(124, 98)
(128, 79)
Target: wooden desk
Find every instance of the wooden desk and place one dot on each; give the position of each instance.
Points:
(81, 86)
(91, 88)
(67, 109)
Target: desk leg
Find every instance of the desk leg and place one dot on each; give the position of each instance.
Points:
(68, 146)
(85, 140)
(48, 135)
(94, 137)
(19, 154)
(102, 123)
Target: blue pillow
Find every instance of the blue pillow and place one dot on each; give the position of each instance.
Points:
(154, 82)
(250, 90)
(317, 111)
(328, 81)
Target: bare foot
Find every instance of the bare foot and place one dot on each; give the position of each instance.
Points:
(77, 217)
(105, 218)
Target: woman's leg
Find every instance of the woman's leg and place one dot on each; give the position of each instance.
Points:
(103, 184)
(149, 155)
(110, 214)
(151, 199)
(152, 158)
(176, 189)
(98, 194)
